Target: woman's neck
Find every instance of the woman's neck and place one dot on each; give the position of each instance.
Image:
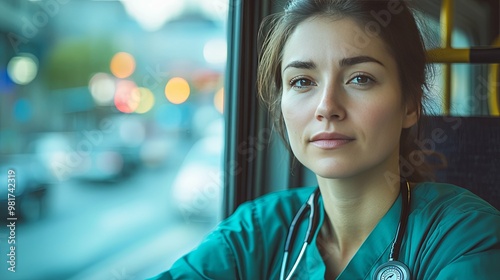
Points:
(353, 208)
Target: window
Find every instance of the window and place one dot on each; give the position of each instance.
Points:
(461, 85)
(111, 116)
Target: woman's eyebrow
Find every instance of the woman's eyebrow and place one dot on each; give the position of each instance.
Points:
(301, 65)
(350, 61)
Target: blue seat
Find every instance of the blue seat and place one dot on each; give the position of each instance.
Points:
(471, 148)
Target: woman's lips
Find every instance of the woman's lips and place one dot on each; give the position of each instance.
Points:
(330, 140)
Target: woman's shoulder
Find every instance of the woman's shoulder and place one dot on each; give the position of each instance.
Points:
(455, 231)
(447, 211)
(432, 196)
(241, 243)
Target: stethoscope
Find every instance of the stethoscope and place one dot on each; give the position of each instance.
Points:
(392, 269)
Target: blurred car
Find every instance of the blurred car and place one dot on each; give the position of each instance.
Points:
(27, 188)
(98, 155)
(197, 189)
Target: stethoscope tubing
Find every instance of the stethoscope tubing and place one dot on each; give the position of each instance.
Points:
(403, 222)
(312, 205)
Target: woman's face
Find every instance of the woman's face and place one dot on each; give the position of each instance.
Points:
(342, 102)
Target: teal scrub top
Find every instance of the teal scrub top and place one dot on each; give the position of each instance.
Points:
(451, 234)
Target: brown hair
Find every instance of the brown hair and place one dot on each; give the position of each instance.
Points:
(390, 20)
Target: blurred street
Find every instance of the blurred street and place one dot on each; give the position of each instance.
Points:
(128, 230)
(112, 126)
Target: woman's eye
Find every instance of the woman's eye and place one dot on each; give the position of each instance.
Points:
(301, 83)
(361, 80)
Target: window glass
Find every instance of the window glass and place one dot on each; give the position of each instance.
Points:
(111, 128)
(461, 84)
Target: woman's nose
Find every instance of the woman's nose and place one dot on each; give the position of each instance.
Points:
(331, 105)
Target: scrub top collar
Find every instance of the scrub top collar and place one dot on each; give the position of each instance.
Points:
(373, 252)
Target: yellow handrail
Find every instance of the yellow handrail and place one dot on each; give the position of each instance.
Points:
(446, 20)
(493, 84)
(473, 55)
(446, 23)
(447, 55)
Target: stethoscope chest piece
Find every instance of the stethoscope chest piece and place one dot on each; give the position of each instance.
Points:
(392, 270)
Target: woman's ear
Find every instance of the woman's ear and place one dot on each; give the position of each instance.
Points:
(412, 114)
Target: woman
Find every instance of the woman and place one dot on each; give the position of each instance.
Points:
(345, 79)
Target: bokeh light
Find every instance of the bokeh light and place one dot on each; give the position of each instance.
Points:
(206, 81)
(215, 51)
(122, 65)
(102, 88)
(219, 100)
(177, 90)
(22, 69)
(153, 14)
(146, 100)
(127, 98)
